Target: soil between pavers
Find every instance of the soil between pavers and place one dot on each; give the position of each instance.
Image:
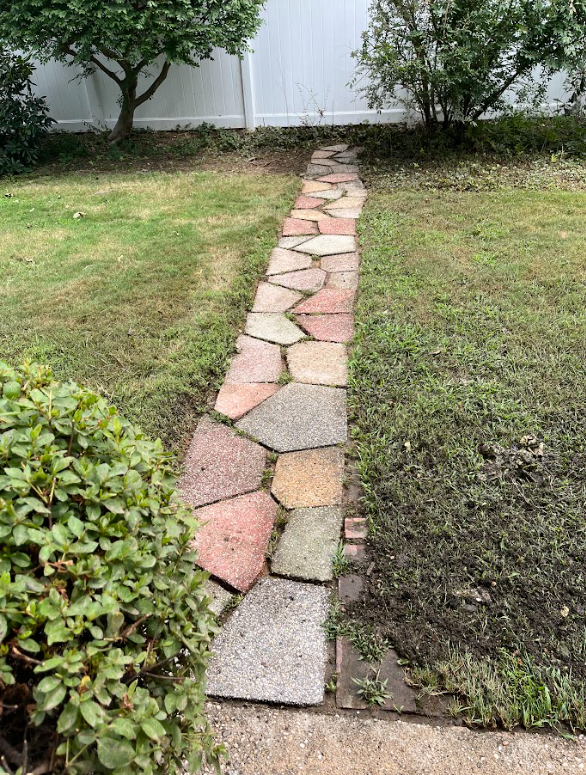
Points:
(272, 741)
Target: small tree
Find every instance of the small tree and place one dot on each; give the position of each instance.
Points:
(453, 60)
(122, 38)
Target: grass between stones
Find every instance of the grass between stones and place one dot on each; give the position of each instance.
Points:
(140, 297)
(468, 393)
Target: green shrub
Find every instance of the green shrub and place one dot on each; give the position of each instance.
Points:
(23, 117)
(104, 622)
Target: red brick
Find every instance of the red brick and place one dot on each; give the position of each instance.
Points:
(307, 203)
(328, 328)
(234, 401)
(293, 227)
(355, 529)
(338, 226)
(328, 301)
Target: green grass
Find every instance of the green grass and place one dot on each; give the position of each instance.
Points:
(140, 298)
(470, 355)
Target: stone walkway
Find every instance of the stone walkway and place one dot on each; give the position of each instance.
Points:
(285, 393)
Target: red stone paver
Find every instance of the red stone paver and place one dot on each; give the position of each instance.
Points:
(234, 401)
(339, 177)
(219, 464)
(343, 262)
(328, 328)
(355, 552)
(272, 298)
(355, 529)
(338, 226)
(304, 280)
(328, 301)
(256, 362)
(307, 203)
(233, 538)
(293, 227)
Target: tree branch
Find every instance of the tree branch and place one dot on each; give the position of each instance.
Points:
(154, 85)
(110, 73)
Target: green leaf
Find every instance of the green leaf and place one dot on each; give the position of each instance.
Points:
(91, 712)
(124, 727)
(114, 753)
(68, 718)
(153, 728)
(53, 698)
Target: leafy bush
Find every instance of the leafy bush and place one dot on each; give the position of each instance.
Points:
(104, 622)
(454, 60)
(23, 117)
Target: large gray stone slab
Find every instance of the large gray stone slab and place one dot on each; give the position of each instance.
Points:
(290, 242)
(273, 327)
(220, 597)
(299, 417)
(273, 648)
(287, 261)
(308, 545)
(328, 245)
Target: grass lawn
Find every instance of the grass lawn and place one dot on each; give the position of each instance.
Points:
(141, 297)
(468, 391)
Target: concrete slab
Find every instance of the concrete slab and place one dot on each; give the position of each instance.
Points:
(345, 262)
(339, 148)
(339, 177)
(220, 597)
(272, 298)
(346, 201)
(291, 242)
(330, 194)
(328, 301)
(304, 202)
(318, 363)
(338, 226)
(233, 538)
(234, 401)
(346, 281)
(315, 170)
(310, 215)
(310, 280)
(219, 464)
(256, 362)
(311, 186)
(287, 261)
(354, 213)
(328, 245)
(273, 327)
(313, 477)
(295, 226)
(328, 328)
(308, 545)
(273, 648)
(299, 417)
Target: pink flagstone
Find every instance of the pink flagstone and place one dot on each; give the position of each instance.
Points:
(272, 298)
(219, 464)
(339, 177)
(234, 401)
(295, 226)
(328, 328)
(307, 203)
(328, 301)
(343, 262)
(234, 536)
(256, 362)
(338, 226)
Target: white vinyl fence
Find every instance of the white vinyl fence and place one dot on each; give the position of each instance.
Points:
(298, 73)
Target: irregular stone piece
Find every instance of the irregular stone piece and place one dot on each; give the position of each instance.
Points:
(310, 186)
(337, 226)
(308, 545)
(256, 362)
(313, 477)
(350, 213)
(328, 245)
(339, 177)
(274, 327)
(332, 193)
(220, 597)
(340, 148)
(355, 529)
(287, 261)
(328, 328)
(350, 588)
(234, 401)
(295, 226)
(346, 262)
(307, 203)
(305, 280)
(328, 301)
(299, 417)
(339, 167)
(318, 363)
(354, 187)
(219, 464)
(273, 648)
(310, 215)
(233, 537)
(322, 154)
(352, 153)
(313, 170)
(272, 298)
(343, 280)
(291, 242)
(345, 201)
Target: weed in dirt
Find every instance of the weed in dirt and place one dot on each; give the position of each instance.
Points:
(341, 564)
(372, 689)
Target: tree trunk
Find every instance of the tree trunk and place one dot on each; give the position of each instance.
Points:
(125, 121)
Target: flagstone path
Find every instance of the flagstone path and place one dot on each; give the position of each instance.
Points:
(285, 392)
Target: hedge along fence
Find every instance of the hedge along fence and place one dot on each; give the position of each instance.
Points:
(104, 622)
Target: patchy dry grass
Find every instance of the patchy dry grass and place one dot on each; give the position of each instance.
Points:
(139, 298)
(469, 397)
